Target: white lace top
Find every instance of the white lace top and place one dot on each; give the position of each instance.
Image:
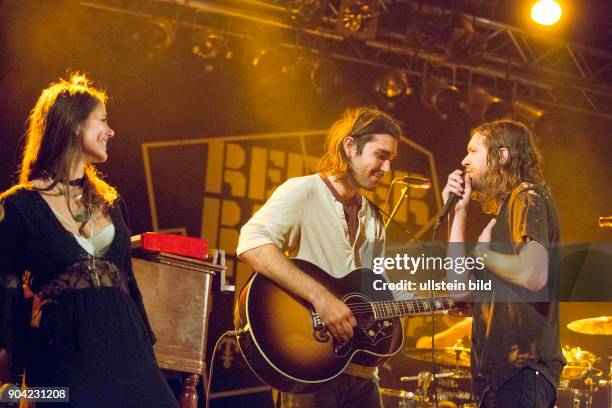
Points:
(97, 244)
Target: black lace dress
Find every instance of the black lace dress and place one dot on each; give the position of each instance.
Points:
(93, 335)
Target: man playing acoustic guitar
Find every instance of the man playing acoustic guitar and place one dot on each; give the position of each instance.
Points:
(322, 218)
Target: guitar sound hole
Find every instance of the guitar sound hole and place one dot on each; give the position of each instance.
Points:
(362, 310)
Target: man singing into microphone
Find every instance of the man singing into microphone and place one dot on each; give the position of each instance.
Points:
(516, 353)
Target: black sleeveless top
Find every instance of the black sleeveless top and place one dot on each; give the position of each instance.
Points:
(514, 327)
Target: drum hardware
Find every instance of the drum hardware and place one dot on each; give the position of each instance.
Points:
(406, 399)
(425, 375)
(580, 372)
(410, 400)
(452, 388)
(582, 384)
(457, 356)
(573, 398)
(424, 380)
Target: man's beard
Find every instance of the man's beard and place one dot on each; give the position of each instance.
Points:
(479, 183)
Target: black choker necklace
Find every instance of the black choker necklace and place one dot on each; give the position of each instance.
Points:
(80, 182)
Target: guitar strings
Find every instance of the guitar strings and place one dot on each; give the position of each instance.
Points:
(371, 306)
(413, 305)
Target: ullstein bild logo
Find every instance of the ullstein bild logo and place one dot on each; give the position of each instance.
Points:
(239, 173)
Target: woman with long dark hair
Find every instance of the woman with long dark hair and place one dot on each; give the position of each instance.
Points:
(86, 328)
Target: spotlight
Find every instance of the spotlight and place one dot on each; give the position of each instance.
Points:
(540, 121)
(461, 39)
(157, 34)
(546, 12)
(358, 18)
(442, 97)
(484, 107)
(526, 112)
(207, 44)
(393, 85)
(211, 47)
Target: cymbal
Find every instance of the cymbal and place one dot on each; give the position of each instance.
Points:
(593, 325)
(454, 356)
(390, 392)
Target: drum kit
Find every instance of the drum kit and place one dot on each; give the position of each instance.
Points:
(582, 378)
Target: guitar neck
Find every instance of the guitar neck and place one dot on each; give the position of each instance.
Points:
(399, 308)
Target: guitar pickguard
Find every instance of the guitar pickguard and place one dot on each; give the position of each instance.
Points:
(379, 330)
(368, 331)
(365, 337)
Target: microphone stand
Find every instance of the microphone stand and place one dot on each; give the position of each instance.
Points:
(397, 205)
(433, 361)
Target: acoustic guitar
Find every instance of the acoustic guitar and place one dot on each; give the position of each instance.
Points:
(286, 344)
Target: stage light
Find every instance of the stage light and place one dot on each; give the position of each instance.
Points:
(442, 97)
(394, 85)
(546, 12)
(527, 113)
(211, 47)
(207, 44)
(359, 18)
(157, 34)
(462, 40)
(544, 124)
(484, 107)
(153, 36)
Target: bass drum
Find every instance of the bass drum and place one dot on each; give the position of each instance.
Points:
(573, 398)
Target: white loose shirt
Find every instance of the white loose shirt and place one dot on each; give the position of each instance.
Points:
(303, 218)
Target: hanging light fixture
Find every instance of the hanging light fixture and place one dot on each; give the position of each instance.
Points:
(484, 106)
(441, 96)
(394, 85)
(157, 34)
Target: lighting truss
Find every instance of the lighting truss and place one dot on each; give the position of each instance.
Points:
(512, 62)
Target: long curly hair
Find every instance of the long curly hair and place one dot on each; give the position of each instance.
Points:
(523, 163)
(54, 139)
(360, 123)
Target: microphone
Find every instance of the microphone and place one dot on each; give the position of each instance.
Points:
(452, 200)
(415, 182)
(450, 203)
